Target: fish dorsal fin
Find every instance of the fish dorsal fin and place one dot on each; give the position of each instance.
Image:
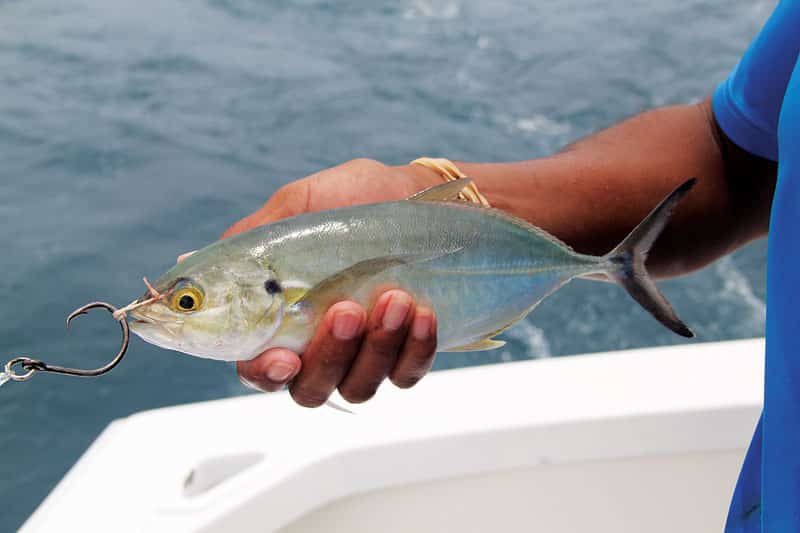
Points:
(484, 344)
(446, 192)
(345, 282)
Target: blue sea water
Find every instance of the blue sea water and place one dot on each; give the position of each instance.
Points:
(133, 131)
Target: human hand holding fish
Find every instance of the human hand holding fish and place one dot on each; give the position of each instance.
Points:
(351, 350)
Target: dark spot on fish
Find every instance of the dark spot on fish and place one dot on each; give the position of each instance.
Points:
(272, 286)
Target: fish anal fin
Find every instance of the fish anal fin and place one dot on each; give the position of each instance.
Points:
(446, 192)
(484, 344)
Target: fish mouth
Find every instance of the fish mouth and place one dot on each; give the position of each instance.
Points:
(154, 333)
(136, 318)
(141, 323)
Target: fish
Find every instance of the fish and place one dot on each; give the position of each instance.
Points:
(480, 269)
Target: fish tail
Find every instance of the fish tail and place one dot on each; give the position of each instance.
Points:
(629, 259)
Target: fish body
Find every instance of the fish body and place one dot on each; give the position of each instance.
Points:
(480, 269)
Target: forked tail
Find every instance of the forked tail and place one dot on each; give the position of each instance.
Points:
(631, 254)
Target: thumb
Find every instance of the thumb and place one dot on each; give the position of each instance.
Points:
(287, 201)
(270, 371)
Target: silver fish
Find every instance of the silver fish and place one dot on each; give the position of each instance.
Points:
(480, 269)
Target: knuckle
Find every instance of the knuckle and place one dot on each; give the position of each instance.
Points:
(380, 351)
(307, 397)
(287, 194)
(364, 163)
(331, 358)
(359, 161)
(385, 344)
(286, 199)
(283, 192)
(329, 354)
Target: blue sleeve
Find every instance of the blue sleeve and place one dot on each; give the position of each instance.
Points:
(748, 103)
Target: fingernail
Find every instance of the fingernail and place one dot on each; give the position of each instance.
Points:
(396, 312)
(421, 328)
(279, 372)
(346, 325)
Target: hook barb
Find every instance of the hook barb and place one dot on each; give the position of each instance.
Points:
(84, 310)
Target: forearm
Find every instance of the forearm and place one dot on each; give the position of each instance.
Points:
(595, 191)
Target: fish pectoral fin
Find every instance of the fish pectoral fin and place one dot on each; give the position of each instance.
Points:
(292, 295)
(446, 192)
(485, 344)
(345, 282)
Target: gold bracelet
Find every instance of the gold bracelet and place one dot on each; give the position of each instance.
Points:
(450, 172)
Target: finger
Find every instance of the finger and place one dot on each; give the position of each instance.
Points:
(386, 332)
(259, 218)
(418, 352)
(184, 256)
(286, 202)
(330, 354)
(270, 371)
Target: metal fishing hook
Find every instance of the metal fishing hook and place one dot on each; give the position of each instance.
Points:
(31, 366)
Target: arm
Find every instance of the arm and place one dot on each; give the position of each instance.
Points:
(590, 195)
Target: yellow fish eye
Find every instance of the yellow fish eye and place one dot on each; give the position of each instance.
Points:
(186, 299)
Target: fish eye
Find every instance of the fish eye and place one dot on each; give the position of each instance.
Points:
(186, 302)
(186, 299)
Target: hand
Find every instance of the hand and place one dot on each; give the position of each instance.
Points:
(350, 350)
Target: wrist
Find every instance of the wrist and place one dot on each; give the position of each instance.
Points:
(506, 186)
(421, 177)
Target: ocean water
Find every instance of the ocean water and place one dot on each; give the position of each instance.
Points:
(133, 131)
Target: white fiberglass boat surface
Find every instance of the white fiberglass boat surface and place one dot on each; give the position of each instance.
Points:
(642, 440)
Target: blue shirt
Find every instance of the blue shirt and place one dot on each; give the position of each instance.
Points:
(758, 107)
